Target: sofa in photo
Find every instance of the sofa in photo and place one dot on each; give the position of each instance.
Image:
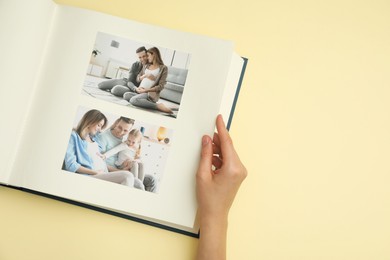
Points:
(174, 88)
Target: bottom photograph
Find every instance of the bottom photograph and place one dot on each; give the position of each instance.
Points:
(117, 149)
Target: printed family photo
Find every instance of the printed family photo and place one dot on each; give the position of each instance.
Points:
(117, 149)
(138, 75)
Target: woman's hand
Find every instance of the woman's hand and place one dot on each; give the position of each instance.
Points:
(86, 170)
(140, 90)
(216, 189)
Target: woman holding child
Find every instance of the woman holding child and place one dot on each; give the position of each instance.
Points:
(83, 154)
(153, 78)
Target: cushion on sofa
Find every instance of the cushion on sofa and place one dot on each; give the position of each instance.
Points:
(173, 86)
(171, 95)
(176, 75)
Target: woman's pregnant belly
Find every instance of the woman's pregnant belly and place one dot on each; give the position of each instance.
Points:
(146, 83)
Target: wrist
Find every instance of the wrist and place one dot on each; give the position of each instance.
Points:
(213, 219)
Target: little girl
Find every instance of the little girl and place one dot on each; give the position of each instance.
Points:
(128, 151)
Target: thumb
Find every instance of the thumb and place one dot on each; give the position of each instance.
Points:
(206, 156)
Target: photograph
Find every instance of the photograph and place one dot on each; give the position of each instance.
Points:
(135, 74)
(117, 149)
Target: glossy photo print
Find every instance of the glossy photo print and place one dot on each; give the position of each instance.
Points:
(137, 75)
(117, 149)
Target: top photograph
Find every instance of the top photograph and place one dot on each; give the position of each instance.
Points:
(135, 74)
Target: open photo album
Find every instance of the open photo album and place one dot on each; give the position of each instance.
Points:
(108, 113)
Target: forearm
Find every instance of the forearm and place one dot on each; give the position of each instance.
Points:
(85, 170)
(216, 189)
(212, 241)
(154, 89)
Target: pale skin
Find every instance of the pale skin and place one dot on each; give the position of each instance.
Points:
(216, 190)
(119, 131)
(216, 187)
(142, 57)
(132, 142)
(153, 65)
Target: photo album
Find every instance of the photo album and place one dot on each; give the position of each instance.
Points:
(108, 113)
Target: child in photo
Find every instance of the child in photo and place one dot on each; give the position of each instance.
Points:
(128, 153)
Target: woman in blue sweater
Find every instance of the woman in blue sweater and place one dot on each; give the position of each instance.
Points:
(83, 154)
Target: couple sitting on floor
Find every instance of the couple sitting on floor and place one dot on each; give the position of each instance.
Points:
(147, 78)
(105, 155)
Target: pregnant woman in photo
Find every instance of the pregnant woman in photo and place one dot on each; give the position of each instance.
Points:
(153, 78)
(83, 154)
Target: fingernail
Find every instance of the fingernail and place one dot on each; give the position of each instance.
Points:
(223, 121)
(205, 140)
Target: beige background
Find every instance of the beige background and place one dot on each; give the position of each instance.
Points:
(312, 125)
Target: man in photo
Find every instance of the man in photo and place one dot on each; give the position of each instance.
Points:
(113, 137)
(120, 86)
